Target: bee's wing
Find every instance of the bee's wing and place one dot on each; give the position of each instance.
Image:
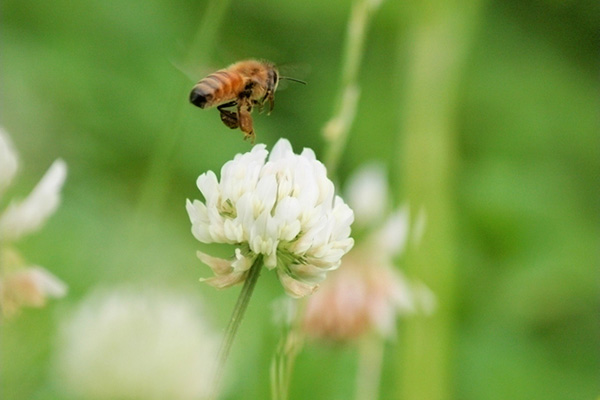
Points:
(196, 68)
(192, 73)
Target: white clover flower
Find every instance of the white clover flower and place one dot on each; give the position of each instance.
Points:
(368, 292)
(22, 284)
(282, 208)
(136, 344)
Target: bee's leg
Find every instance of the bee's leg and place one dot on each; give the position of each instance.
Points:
(259, 104)
(227, 105)
(229, 118)
(245, 119)
(271, 100)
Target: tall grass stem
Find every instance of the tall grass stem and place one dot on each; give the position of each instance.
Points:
(336, 130)
(436, 44)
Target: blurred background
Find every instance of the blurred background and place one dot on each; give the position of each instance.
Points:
(104, 85)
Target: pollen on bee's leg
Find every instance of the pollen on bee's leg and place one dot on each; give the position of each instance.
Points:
(230, 119)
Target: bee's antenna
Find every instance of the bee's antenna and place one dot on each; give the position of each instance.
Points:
(292, 79)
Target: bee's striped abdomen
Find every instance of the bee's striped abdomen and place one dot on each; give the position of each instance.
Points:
(216, 88)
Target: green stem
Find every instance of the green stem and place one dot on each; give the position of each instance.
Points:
(370, 359)
(337, 128)
(290, 345)
(234, 323)
(282, 366)
(437, 40)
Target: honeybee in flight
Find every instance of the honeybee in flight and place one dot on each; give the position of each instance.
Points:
(235, 90)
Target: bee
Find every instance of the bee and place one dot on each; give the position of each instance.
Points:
(236, 90)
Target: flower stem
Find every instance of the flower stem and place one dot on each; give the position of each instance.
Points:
(234, 322)
(368, 376)
(290, 345)
(282, 364)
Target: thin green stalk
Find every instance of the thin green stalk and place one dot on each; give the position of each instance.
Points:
(234, 323)
(200, 52)
(290, 345)
(282, 364)
(370, 363)
(436, 41)
(337, 128)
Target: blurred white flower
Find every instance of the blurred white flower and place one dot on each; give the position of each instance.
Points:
(132, 344)
(28, 215)
(23, 285)
(282, 208)
(8, 161)
(367, 192)
(368, 292)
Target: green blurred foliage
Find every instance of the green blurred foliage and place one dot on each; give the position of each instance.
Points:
(97, 83)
